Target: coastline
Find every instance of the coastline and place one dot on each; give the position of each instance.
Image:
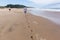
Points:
(15, 25)
(50, 14)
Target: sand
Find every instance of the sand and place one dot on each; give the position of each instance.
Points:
(15, 25)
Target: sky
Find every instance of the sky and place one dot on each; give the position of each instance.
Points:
(32, 3)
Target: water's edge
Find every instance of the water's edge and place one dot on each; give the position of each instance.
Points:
(54, 16)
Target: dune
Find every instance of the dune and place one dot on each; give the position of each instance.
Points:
(15, 25)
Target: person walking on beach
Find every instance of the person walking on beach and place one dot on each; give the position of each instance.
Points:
(25, 10)
(9, 9)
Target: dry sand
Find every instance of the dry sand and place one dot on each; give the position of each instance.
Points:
(15, 25)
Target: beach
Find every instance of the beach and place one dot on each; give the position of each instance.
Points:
(51, 14)
(15, 25)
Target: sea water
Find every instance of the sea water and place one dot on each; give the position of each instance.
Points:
(51, 14)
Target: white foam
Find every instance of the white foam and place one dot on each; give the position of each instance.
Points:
(53, 16)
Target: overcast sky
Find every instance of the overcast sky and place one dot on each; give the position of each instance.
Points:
(33, 3)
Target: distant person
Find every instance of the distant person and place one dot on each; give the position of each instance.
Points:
(25, 10)
(9, 9)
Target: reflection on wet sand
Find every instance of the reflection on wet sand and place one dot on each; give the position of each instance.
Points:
(53, 15)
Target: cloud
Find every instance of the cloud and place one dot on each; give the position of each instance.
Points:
(44, 2)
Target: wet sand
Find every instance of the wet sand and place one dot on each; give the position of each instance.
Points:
(15, 25)
(51, 14)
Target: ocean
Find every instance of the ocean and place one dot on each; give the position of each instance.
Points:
(50, 14)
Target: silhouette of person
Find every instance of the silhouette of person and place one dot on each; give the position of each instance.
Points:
(25, 10)
(9, 9)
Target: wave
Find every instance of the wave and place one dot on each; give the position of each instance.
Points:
(51, 14)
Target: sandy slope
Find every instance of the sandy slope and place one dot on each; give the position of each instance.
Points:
(15, 25)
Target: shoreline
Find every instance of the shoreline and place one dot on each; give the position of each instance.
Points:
(18, 26)
(50, 15)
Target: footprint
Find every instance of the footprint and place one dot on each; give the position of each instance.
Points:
(10, 29)
(31, 30)
(31, 37)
